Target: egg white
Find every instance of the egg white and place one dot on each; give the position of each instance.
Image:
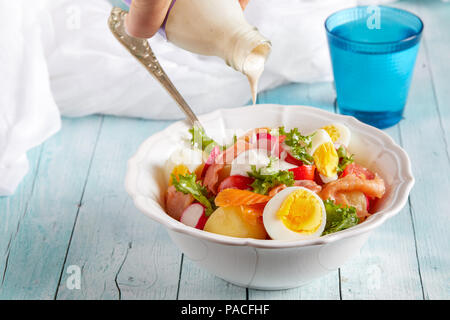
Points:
(276, 228)
(320, 137)
(344, 134)
(190, 157)
(342, 140)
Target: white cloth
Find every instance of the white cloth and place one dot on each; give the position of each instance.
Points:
(65, 45)
(28, 113)
(108, 80)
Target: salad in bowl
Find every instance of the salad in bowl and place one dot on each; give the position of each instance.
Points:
(271, 183)
(289, 196)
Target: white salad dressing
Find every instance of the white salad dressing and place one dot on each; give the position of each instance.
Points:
(219, 28)
(253, 69)
(260, 159)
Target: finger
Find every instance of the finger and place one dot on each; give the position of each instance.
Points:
(244, 3)
(146, 17)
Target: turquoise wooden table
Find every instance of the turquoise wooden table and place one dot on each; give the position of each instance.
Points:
(71, 214)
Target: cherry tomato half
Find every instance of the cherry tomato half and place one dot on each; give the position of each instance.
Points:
(304, 172)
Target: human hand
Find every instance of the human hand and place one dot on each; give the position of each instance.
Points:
(146, 16)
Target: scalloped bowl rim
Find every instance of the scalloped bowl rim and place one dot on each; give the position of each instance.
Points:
(396, 204)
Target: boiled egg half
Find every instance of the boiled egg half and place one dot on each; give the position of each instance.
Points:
(325, 156)
(339, 134)
(294, 213)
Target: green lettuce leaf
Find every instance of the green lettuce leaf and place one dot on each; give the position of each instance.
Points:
(188, 185)
(339, 217)
(344, 159)
(200, 140)
(299, 144)
(267, 178)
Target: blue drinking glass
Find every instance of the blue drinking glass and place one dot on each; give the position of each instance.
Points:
(373, 52)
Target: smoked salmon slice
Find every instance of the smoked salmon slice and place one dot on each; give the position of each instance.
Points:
(176, 202)
(237, 197)
(212, 173)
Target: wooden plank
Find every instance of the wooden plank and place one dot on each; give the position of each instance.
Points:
(321, 95)
(425, 136)
(38, 248)
(436, 43)
(198, 284)
(324, 288)
(121, 253)
(12, 210)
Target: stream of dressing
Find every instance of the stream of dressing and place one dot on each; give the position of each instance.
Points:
(254, 67)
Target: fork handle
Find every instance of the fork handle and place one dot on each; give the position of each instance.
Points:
(142, 51)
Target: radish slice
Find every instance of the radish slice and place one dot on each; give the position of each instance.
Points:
(194, 216)
(290, 159)
(212, 157)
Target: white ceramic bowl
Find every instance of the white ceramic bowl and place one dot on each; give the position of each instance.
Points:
(269, 264)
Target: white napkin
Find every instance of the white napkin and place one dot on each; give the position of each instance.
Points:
(90, 72)
(28, 113)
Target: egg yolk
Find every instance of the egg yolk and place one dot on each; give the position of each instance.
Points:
(326, 159)
(301, 212)
(180, 169)
(333, 132)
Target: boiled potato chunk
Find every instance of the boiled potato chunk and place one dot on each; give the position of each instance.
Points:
(228, 221)
(355, 199)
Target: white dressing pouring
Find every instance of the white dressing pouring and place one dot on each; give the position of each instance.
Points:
(219, 28)
(254, 67)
